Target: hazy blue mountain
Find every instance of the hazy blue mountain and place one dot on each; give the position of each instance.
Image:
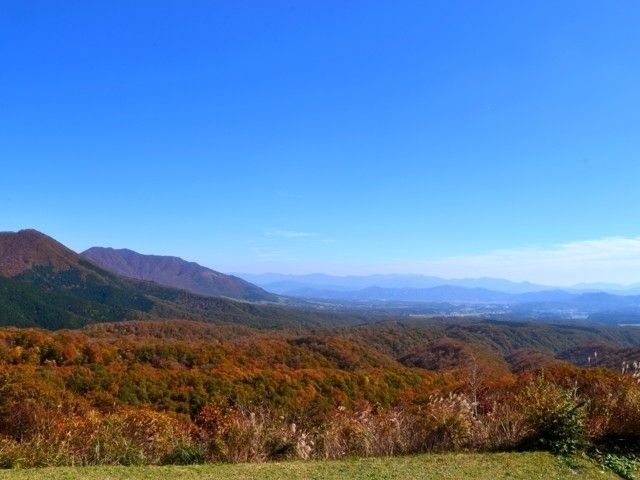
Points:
(600, 306)
(440, 294)
(284, 284)
(614, 288)
(293, 284)
(550, 296)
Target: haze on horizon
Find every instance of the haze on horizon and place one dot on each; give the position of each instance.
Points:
(456, 140)
(604, 261)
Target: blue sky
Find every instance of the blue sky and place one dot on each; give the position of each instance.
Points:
(454, 138)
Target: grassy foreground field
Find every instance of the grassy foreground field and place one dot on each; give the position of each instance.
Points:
(443, 467)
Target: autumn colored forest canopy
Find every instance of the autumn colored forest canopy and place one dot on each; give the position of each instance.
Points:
(186, 392)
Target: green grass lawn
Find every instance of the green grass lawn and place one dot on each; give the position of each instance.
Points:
(442, 467)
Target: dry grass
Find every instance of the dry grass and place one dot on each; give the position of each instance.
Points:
(495, 466)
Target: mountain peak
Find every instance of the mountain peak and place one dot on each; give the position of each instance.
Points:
(25, 249)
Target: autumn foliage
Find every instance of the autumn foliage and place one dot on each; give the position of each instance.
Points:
(185, 392)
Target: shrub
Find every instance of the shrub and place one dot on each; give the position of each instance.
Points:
(235, 434)
(184, 454)
(450, 423)
(556, 418)
(346, 433)
(615, 416)
(623, 465)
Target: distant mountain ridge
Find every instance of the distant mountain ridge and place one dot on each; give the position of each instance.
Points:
(285, 284)
(545, 299)
(568, 303)
(175, 272)
(440, 294)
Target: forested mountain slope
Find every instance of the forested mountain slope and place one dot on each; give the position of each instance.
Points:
(175, 272)
(45, 284)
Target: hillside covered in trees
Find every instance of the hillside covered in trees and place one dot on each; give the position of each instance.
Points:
(144, 392)
(45, 284)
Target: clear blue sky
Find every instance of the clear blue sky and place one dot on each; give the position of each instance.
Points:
(338, 136)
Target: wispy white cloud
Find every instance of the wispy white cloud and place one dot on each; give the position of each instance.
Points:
(277, 232)
(606, 260)
(613, 259)
(267, 253)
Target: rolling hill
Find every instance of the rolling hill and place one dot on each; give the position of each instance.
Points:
(175, 272)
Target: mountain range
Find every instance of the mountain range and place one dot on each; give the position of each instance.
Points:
(546, 300)
(45, 284)
(525, 299)
(286, 284)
